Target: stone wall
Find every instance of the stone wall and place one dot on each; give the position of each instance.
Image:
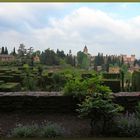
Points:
(52, 102)
(127, 99)
(31, 102)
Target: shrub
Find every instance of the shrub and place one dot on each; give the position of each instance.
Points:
(25, 131)
(10, 87)
(75, 88)
(82, 87)
(96, 101)
(7, 78)
(136, 81)
(30, 83)
(58, 81)
(1, 82)
(128, 125)
(51, 130)
(99, 109)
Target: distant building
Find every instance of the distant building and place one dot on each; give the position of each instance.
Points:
(6, 58)
(85, 50)
(128, 59)
(91, 58)
(36, 58)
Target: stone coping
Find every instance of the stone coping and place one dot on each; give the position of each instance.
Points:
(33, 93)
(127, 94)
(41, 93)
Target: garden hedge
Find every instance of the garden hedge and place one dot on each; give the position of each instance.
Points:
(111, 75)
(10, 87)
(113, 84)
(136, 81)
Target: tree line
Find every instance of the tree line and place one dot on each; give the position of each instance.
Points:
(59, 57)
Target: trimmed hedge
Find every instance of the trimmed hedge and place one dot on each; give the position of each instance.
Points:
(1, 82)
(10, 87)
(17, 78)
(136, 81)
(6, 78)
(113, 84)
(2, 74)
(111, 75)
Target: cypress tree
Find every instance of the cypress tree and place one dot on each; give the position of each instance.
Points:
(14, 51)
(6, 50)
(2, 50)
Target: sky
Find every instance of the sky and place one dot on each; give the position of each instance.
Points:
(109, 28)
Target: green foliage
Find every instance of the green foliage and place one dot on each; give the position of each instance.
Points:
(75, 88)
(101, 110)
(25, 131)
(6, 50)
(29, 80)
(124, 68)
(128, 125)
(40, 70)
(80, 87)
(98, 106)
(51, 130)
(136, 81)
(2, 50)
(14, 52)
(30, 83)
(7, 87)
(58, 81)
(49, 57)
(83, 60)
(1, 82)
(96, 100)
(70, 60)
(6, 78)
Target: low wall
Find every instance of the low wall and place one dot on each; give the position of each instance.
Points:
(43, 102)
(127, 99)
(53, 102)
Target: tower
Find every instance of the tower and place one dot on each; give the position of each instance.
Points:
(85, 50)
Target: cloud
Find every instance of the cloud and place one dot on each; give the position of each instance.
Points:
(23, 15)
(97, 29)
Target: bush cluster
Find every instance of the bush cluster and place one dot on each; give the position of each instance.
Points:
(50, 130)
(128, 125)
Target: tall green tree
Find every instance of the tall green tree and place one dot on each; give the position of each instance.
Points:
(49, 57)
(2, 50)
(83, 60)
(14, 52)
(22, 50)
(5, 50)
(60, 54)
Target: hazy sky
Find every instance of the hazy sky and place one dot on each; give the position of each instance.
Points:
(110, 28)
